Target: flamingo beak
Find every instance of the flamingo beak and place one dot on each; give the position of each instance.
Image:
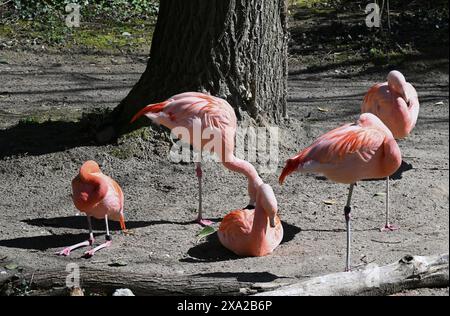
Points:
(272, 221)
(139, 114)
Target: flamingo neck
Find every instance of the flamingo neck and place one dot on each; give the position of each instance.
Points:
(247, 169)
(260, 224)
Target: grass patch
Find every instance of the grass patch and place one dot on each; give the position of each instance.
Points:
(109, 35)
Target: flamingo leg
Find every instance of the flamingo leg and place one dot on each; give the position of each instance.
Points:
(107, 243)
(388, 226)
(66, 251)
(200, 219)
(347, 211)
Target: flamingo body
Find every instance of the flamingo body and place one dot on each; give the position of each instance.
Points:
(250, 232)
(186, 109)
(96, 194)
(348, 154)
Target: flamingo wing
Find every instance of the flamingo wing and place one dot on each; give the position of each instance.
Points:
(237, 223)
(334, 146)
(350, 139)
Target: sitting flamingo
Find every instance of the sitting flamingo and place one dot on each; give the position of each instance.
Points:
(396, 103)
(193, 110)
(255, 232)
(348, 154)
(98, 196)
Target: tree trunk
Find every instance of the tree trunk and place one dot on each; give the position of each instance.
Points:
(233, 49)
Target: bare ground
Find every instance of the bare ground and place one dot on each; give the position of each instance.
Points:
(40, 156)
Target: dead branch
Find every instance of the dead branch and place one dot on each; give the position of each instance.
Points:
(408, 273)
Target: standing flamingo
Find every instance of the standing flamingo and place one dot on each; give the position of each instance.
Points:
(255, 232)
(396, 103)
(98, 196)
(197, 111)
(351, 153)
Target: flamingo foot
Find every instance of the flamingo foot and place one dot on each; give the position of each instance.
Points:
(66, 251)
(203, 222)
(90, 253)
(389, 228)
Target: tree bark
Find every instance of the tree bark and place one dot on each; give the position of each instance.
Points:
(233, 49)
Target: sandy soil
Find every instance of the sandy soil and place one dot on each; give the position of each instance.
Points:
(38, 161)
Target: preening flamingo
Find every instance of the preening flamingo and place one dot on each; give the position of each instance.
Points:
(98, 196)
(348, 154)
(396, 103)
(255, 232)
(209, 115)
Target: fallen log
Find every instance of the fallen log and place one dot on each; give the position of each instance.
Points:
(53, 282)
(408, 273)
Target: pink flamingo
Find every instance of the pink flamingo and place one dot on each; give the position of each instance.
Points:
(396, 103)
(351, 153)
(255, 232)
(98, 196)
(197, 111)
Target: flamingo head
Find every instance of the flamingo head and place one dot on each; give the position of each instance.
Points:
(291, 167)
(397, 83)
(267, 200)
(371, 120)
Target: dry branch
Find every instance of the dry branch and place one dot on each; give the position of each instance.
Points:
(408, 273)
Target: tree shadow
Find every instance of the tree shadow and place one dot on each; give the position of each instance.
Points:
(34, 138)
(213, 251)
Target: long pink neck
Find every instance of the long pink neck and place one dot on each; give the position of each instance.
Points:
(260, 223)
(247, 169)
(414, 108)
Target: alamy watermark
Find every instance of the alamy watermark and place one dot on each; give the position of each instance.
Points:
(373, 18)
(73, 18)
(73, 276)
(257, 145)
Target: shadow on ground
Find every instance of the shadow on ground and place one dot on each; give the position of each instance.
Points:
(251, 277)
(213, 251)
(33, 138)
(80, 222)
(44, 242)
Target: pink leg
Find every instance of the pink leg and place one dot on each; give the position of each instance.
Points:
(200, 220)
(66, 251)
(91, 252)
(388, 227)
(106, 244)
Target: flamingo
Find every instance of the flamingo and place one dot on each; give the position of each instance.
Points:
(98, 196)
(351, 153)
(197, 111)
(396, 103)
(255, 232)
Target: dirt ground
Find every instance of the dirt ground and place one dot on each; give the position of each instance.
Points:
(42, 95)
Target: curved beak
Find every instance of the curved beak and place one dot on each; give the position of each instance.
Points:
(272, 221)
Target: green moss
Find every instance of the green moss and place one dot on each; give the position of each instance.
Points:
(145, 133)
(106, 36)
